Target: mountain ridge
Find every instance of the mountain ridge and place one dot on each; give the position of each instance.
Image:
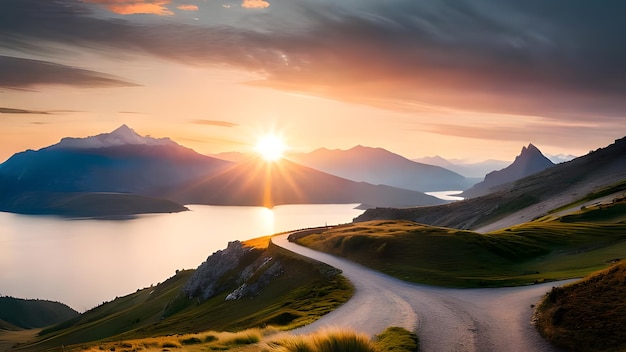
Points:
(530, 161)
(380, 166)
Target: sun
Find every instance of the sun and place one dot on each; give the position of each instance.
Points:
(270, 147)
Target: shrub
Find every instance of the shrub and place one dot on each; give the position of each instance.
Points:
(210, 338)
(191, 341)
(397, 339)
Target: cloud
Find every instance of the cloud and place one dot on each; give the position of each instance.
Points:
(255, 4)
(215, 123)
(20, 73)
(559, 59)
(188, 7)
(130, 7)
(22, 111)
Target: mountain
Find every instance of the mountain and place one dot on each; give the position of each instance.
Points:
(379, 166)
(29, 314)
(469, 170)
(255, 182)
(597, 174)
(118, 163)
(122, 173)
(528, 162)
(231, 156)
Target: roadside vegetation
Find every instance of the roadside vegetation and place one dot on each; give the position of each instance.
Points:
(538, 251)
(393, 339)
(588, 315)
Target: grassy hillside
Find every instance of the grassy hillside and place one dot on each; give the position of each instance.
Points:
(589, 315)
(532, 252)
(301, 294)
(32, 313)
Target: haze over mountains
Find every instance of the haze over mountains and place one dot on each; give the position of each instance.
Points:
(379, 166)
(474, 171)
(148, 173)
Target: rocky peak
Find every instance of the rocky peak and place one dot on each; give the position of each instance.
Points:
(122, 135)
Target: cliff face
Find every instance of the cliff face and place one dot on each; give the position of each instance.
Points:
(242, 270)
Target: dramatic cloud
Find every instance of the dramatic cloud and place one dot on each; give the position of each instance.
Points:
(560, 59)
(255, 4)
(19, 73)
(21, 111)
(214, 123)
(130, 7)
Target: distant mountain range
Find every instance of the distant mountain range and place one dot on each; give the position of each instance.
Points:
(256, 182)
(379, 166)
(601, 172)
(472, 171)
(86, 176)
(530, 161)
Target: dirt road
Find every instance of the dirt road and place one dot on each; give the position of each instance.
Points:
(445, 319)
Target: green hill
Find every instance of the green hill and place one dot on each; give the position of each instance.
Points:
(299, 292)
(588, 315)
(32, 313)
(543, 250)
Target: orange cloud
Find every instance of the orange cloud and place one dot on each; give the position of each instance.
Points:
(255, 4)
(130, 7)
(188, 7)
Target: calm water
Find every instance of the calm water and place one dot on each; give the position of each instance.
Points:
(83, 263)
(446, 195)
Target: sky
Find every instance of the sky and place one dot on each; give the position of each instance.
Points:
(463, 79)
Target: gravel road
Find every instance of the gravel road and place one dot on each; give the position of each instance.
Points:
(496, 319)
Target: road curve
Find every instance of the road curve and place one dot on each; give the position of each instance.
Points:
(496, 319)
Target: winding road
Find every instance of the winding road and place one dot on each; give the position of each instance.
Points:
(445, 319)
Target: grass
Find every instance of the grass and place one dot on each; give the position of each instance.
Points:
(300, 295)
(603, 192)
(269, 339)
(589, 315)
(334, 340)
(533, 252)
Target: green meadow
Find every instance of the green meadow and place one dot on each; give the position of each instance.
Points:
(543, 250)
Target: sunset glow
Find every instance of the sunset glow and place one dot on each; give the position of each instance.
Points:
(207, 73)
(271, 147)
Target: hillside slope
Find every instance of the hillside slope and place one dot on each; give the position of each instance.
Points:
(588, 315)
(525, 199)
(31, 313)
(258, 183)
(245, 285)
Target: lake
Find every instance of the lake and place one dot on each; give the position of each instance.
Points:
(446, 195)
(83, 263)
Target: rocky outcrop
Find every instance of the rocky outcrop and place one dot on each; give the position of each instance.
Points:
(205, 282)
(244, 270)
(264, 274)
